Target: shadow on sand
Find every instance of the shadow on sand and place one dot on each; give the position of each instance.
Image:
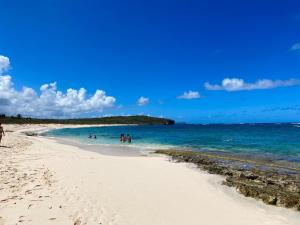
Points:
(3, 146)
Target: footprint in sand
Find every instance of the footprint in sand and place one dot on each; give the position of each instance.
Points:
(2, 221)
(77, 221)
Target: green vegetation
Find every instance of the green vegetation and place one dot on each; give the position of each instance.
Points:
(103, 120)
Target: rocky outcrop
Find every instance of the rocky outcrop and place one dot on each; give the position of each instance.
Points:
(272, 185)
(30, 133)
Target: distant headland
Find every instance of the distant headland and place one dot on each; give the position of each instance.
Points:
(141, 120)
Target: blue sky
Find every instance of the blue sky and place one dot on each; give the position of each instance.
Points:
(158, 50)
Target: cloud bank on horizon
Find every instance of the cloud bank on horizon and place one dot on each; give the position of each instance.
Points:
(50, 102)
(236, 84)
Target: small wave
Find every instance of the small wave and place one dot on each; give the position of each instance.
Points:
(228, 140)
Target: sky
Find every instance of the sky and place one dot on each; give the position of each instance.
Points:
(202, 61)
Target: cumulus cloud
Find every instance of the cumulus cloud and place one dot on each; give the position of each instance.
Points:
(295, 47)
(189, 95)
(236, 84)
(4, 64)
(50, 102)
(143, 101)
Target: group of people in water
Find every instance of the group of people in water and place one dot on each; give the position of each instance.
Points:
(124, 138)
(93, 136)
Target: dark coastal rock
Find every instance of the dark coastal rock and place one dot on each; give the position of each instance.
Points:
(30, 133)
(273, 186)
(248, 175)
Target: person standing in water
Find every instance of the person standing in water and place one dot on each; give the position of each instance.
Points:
(123, 138)
(1, 132)
(129, 139)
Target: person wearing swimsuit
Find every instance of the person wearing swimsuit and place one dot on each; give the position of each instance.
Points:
(1, 132)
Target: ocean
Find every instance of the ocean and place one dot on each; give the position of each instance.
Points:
(269, 141)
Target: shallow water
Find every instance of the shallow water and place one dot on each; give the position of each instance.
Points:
(270, 141)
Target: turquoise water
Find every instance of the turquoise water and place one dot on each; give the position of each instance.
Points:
(276, 141)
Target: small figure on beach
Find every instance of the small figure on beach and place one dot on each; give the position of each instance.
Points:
(129, 139)
(95, 137)
(1, 132)
(90, 136)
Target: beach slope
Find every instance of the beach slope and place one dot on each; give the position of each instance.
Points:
(46, 182)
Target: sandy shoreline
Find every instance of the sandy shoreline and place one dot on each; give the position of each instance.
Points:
(47, 182)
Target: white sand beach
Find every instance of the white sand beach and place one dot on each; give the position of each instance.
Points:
(45, 182)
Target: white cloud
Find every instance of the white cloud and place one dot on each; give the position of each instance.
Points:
(189, 95)
(143, 101)
(4, 64)
(295, 47)
(236, 84)
(50, 102)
